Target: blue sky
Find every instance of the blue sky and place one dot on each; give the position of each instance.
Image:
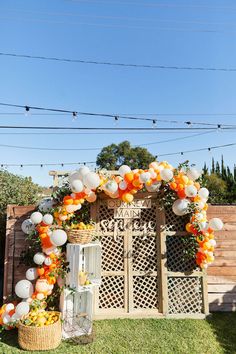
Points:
(184, 33)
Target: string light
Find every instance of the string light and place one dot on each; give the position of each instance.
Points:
(114, 116)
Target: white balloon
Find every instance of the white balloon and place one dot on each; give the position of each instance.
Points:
(48, 261)
(50, 250)
(123, 185)
(77, 186)
(39, 258)
(58, 237)
(180, 207)
(190, 191)
(31, 274)
(15, 317)
(24, 289)
(111, 186)
(152, 173)
(71, 208)
(91, 180)
(27, 226)
(36, 217)
(91, 197)
(212, 242)
(203, 193)
(9, 307)
(22, 308)
(166, 174)
(48, 219)
(123, 170)
(216, 224)
(154, 165)
(154, 187)
(74, 176)
(193, 174)
(200, 204)
(83, 171)
(144, 177)
(6, 319)
(46, 204)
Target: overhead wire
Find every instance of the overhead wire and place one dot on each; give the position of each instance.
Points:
(155, 119)
(117, 64)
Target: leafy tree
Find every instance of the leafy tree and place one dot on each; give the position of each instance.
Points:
(113, 156)
(14, 190)
(217, 188)
(221, 182)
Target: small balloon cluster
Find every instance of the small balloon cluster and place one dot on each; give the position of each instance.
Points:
(48, 222)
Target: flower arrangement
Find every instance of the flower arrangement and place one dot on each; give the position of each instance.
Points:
(48, 226)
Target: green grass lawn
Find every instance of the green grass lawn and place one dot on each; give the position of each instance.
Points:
(215, 335)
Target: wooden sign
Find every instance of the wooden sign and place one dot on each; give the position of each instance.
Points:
(136, 204)
(121, 213)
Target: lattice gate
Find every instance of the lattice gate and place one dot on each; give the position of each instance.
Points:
(145, 269)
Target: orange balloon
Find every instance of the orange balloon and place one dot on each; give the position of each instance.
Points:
(127, 197)
(129, 177)
(68, 200)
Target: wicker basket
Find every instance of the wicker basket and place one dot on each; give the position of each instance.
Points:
(80, 236)
(40, 338)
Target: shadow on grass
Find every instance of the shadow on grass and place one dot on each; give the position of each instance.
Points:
(224, 323)
(10, 338)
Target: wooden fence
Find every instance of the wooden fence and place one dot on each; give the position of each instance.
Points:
(221, 275)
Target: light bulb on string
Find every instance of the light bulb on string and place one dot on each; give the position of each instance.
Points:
(21, 167)
(75, 116)
(27, 111)
(209, 150)
(218, 127)
(189, 124)
(154, 123)
(116, 119)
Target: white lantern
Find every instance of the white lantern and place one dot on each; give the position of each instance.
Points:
(190, 191)
(48, 261)
(111, 186)
(39, 258)
(77, 186)
(9, 307)
(45, 205)
(58, 237)
(123, 170)
(91, 180)
(24, 289)
(144, 177)
(36, 217)
(27, 226)
(193, 174)
(154, 187)
(31, 274)
(91, 198)
(83, 172)
(48, 219)
(180, 207)
(216, 224)
(22, 308)
(203, 193)
(123, 185)
(166, 174)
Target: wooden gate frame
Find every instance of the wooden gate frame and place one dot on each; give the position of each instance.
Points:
(164, 293)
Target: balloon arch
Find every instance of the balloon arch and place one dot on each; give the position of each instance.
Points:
(48, 226)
